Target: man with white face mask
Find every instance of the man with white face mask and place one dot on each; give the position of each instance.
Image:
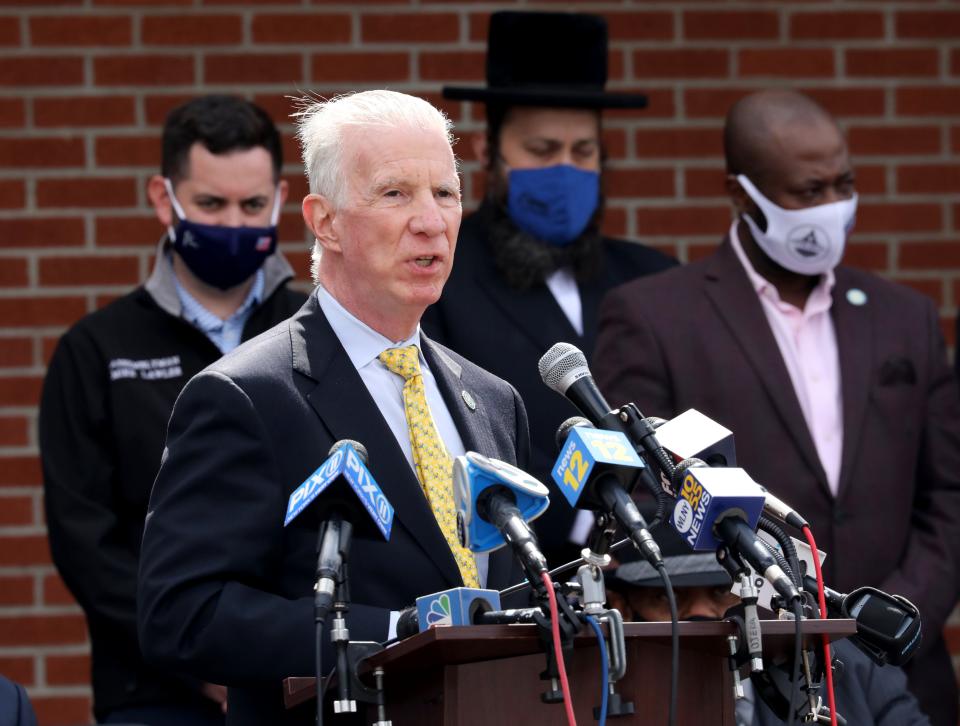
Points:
(834, 381)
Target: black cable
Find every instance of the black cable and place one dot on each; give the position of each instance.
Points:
(797, 649)
(318, 655)
(786, 543)
(674, 644)
(778, 556)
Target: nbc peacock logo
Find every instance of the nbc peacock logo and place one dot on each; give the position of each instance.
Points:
(439, 613)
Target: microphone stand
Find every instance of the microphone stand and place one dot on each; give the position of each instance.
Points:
(593, 596)
(333, 595)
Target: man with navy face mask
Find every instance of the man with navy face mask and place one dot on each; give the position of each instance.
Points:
(218, 279)
(834, 381)
(532, 263)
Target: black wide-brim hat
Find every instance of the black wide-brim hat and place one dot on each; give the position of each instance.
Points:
(546, 59)
(685, 568)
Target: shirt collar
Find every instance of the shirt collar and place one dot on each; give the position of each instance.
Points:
(820, 297)
(361, 342)
(194, 311)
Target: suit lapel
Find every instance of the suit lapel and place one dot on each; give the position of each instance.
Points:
(345, 407)
(854, 331)
(735, 301)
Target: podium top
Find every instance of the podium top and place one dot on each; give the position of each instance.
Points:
(469, 644)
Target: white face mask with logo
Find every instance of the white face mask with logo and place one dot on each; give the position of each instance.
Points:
(806, 241)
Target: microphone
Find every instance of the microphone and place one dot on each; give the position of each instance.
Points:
(564, 369)
(722, 507)
(692, 435)
(889, 628)
(596, 470)
(349, 487)
(354, 504)
(494, 502)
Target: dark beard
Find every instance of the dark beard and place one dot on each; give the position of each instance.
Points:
(524, 261)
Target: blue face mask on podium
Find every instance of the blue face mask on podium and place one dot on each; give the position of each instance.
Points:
(555, 203)
(218, 255)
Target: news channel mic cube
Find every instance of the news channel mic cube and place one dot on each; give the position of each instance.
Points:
(458, 606)
(585, 450)
(708, 493)
(691, 434)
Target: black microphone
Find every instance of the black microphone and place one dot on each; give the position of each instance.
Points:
(740, 537)
(889, 629)
(564, 369)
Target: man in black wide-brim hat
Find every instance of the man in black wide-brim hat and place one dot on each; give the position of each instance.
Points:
(531, 263)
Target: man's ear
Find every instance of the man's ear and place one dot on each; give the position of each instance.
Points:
(284, 191)
(319, 214)
(741, 200)
(481, 149)
(160, 199)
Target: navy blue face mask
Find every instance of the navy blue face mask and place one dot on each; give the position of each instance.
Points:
(219, 255)
(555, 203)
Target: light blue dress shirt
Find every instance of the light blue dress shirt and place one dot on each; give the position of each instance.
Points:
(225, 334)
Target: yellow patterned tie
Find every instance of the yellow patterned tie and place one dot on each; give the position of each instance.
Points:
(433, 464)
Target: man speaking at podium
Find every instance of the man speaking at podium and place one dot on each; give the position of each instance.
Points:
(225, 590)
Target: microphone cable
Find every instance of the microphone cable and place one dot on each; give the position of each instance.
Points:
(318, 656)
(822, 602)
(674, 644)
(797, 649)
(604, 667)
(557, 648)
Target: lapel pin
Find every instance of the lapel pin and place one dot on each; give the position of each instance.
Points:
(856, 296)
(468, 399)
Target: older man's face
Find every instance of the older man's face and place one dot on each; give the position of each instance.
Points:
(397, 227)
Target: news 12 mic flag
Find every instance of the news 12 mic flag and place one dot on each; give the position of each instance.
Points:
(344, 465)
(584, 450)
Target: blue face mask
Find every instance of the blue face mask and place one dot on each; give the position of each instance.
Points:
(554, 204)
(219, 255)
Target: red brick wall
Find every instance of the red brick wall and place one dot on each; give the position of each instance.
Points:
(85, 85)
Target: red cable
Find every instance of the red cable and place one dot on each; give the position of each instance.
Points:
(831, 700)
(558, 651)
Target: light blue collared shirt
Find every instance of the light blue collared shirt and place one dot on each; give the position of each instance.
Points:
(225, 334)
(363, 344)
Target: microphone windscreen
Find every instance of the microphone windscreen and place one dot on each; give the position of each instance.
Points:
(562, 365)
(358, 447)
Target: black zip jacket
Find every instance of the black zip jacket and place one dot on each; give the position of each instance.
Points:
(107, 397)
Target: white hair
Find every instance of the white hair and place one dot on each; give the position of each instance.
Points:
(321, 126)
(320, 129)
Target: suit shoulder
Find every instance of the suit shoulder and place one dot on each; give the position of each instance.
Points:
(675, 281)
(260, 357)
(640, 259)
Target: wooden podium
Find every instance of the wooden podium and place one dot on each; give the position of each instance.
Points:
(474, 676)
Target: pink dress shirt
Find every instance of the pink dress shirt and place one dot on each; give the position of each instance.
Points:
(808, 345)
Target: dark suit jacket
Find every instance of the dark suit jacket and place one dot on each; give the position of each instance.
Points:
(867, 694)
(225, 589)
(507, 331)
(697, 337)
